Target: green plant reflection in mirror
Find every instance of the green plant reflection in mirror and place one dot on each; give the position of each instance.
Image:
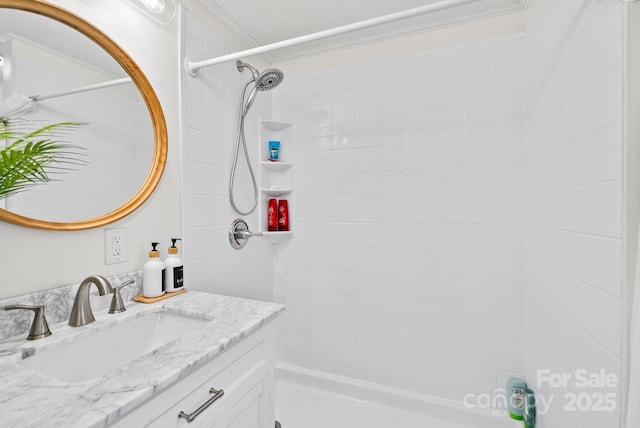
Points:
(34, 157)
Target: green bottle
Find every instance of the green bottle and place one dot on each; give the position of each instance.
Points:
(516, 396)
(529, 411)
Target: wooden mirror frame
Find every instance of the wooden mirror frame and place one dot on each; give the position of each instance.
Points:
(153, 104)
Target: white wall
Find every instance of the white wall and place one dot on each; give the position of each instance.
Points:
(406, 266)
(210, 118)
(420, 285)
(420, 205)
(37, 260)
(574, 204)
(116, 134)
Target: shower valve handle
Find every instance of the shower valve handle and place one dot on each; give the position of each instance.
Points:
(246, 234)
(239, 234)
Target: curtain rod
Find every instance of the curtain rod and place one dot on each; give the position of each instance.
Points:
(193, 67)
(83, 89)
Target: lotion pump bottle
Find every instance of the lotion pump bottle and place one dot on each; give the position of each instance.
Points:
(153, 274)
(174, 278)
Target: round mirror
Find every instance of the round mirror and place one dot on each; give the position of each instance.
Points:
(57, 68)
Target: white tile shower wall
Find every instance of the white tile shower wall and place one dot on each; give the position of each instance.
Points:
(573, 205)
(107, 116)
(407, 264)
(210, 121)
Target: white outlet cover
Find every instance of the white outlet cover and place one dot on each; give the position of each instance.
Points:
(116, 246)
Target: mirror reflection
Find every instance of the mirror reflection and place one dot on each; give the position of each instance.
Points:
(50, 74)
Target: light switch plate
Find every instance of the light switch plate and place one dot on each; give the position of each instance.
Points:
(116, 246)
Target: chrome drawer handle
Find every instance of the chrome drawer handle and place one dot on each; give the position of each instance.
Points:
(217, 394)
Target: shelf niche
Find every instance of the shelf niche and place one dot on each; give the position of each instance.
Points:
(275, 177)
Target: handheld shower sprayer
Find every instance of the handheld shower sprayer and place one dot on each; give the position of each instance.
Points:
(264, 81)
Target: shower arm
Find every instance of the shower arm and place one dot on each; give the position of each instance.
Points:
(192, 67)
(242, 65)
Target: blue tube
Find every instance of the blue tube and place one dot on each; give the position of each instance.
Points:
(274, 150)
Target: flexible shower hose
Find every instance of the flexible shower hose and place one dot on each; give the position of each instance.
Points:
(244, 109)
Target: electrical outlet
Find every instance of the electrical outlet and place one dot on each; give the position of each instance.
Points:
(115, 246)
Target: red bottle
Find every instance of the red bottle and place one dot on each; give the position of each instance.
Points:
(283, 215)
(272, 215)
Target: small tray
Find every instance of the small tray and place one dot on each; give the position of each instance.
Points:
(140, 298)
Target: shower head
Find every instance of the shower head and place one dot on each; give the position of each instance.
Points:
(264, 81)
(269, 79)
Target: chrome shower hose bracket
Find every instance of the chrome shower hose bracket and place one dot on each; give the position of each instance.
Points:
(239, 234)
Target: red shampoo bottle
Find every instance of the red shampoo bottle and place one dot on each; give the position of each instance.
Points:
(272, 215)
(283, 215)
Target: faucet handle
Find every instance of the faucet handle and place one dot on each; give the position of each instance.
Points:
(117, 305)
(39, 327)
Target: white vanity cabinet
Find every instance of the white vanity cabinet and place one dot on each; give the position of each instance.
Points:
(244, 372)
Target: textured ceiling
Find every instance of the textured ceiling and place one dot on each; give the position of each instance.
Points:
(260, 22)
(57, 37)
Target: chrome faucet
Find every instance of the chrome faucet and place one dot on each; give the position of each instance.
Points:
(81, 314)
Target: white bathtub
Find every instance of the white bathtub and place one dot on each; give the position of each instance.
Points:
(311, 399)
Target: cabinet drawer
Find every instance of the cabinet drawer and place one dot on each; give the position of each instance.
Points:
(247, 412)
(235, 380)
(235, 371)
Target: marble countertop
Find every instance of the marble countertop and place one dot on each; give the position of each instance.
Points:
(31, 399)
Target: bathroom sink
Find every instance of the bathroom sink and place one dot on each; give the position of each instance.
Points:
(107, 350)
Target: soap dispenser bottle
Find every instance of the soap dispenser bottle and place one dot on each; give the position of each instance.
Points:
(174, 276)
(153, 274)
